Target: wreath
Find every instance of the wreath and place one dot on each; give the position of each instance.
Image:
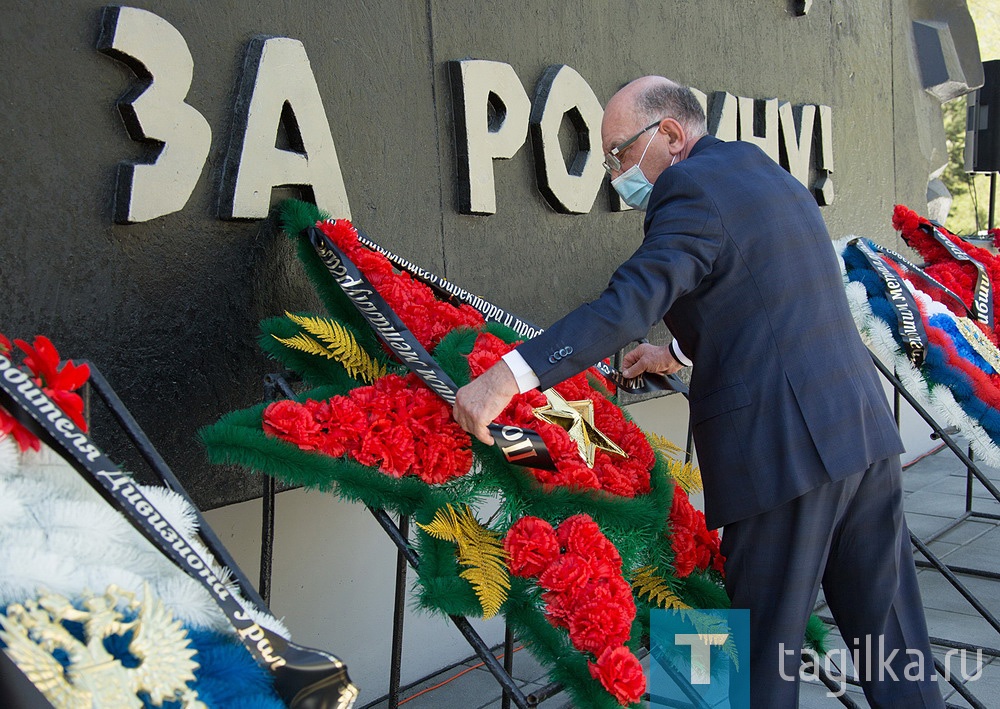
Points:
(575, 557)
(83, 590)
(959, 375)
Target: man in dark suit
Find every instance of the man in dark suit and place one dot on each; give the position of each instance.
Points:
(798, 450)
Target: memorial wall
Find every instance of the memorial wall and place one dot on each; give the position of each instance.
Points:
(465, 138)
(145, 148)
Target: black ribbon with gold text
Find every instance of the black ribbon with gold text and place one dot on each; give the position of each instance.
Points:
(644, 384)
(520, 446)
(928, 284)
(982, 294)
(305, 678)
(909, 323)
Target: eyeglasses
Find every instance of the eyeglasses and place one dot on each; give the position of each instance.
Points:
(611, 161)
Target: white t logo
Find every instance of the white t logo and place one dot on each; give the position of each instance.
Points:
(701, 653)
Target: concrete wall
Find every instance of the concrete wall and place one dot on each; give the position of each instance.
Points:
(168, 307)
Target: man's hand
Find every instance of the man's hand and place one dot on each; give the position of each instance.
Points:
(649, 358)
(480, 401)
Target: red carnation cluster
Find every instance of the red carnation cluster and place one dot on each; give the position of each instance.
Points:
(957, 276)
(396, 424)
(580, 572)
(428, 318)
(695, 547)
(611, 473)
(58, 382)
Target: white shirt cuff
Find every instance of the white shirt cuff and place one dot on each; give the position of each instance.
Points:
(675, 350)
(523, 374)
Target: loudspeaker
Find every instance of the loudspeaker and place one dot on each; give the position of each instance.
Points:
(982, 127)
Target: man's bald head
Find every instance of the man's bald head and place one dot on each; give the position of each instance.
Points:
(650, 98)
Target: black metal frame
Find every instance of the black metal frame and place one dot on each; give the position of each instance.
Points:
(950, 573)
(276, 385)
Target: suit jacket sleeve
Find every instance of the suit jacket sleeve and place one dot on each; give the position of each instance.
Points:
(683, 238)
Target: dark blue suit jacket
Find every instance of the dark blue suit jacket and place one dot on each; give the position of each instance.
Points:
(737, 261)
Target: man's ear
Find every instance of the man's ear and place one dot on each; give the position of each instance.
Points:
(675, 133)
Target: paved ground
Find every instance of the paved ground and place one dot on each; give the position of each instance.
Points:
(935, 498)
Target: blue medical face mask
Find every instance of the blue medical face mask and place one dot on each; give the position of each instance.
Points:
(632, 185)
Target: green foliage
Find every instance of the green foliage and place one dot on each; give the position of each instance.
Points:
(986, 15)
(970, 193)
(296, 216)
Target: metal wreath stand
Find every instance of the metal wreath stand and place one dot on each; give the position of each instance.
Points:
(277, 385)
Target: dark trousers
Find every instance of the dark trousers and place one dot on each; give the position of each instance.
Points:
(851, 536)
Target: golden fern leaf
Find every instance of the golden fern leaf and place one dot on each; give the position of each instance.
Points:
(342, 347)
(444, 525)
(685, 475)
(480, 550)
(663, 445)
(306, 344)
(647, 583)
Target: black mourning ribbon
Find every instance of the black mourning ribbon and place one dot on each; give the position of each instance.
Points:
(304, 678)
(982, 294)
(647, 383)
(928, 283)
(909, 322)
(520, 446)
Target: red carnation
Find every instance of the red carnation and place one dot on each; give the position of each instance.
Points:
(576, 388)
(582, 535)
(572, 473)
(396, 424)
(427, 317)
(618, 670)
(559, 608)
(570, 571)
(682, 513)
(694, 545)
(613, 478)
(597, 625)
(57, 380)
(293, 422)
(531, 545)
(387, 445)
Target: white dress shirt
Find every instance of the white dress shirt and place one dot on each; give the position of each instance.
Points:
(527, 380)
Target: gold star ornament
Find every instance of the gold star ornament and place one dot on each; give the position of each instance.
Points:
(577, 419)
